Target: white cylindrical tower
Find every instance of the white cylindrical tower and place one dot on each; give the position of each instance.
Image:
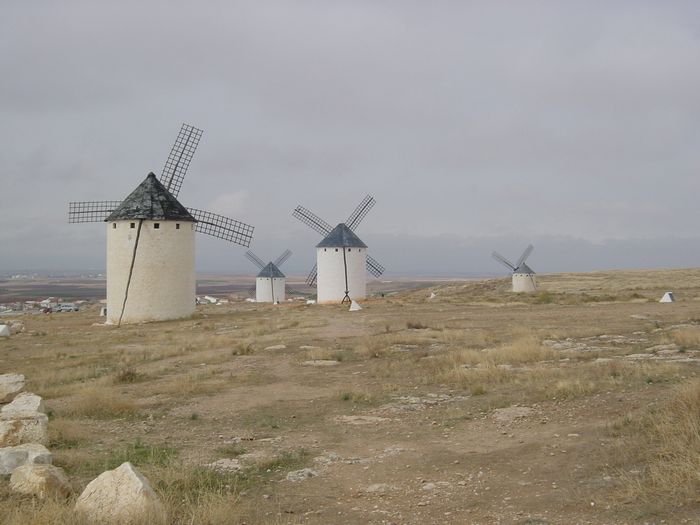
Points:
(524, 280)
(150, 257)
(341, 259)
(270, 289)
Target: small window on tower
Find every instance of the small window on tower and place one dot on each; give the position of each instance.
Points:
(114, 225)
(132, 225)
(336, 249)
(177, 225)
(156, 225)
(349, 249)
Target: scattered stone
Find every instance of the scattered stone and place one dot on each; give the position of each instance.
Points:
(361, 420)
(428, 486)
(510, 414)
(10, 386)
(301, 475)
(379, 488)
(328, 458)
(321, 362)
(24, 405)
(26, 430)
(40, 480)
(276, 347)
(27, 454)
(121, 496)
(226, 465)
(16, 327)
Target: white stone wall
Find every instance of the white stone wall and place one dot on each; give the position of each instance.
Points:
(330, 283)
(163, 280)
(524, 282)
(270, 289)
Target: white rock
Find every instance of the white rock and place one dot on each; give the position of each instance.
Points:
(121, 496)
(40, 480)
(301, 475)
(310, 301)
(226, 465)
(320, 362)
(10, 386)
(379, 488)
(16, 327)
(15, 432)
(361, 420)
(276, 347)
(25, 404)
(354, 307)
(4, 330)
(27, 454)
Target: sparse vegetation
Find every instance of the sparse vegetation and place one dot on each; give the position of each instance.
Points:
(412, 379)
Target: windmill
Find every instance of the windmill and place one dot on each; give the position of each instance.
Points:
(150, 241)
(270, 283)
(523, 275)
(341, 257)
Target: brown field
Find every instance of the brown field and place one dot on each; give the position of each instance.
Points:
(579, 404)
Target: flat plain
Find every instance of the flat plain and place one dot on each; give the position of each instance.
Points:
(577, 404)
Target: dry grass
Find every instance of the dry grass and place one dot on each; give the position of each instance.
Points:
(687, 338)
(664, 442)
(100, 403)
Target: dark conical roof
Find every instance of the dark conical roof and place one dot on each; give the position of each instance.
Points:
(151, 201)
(270, 271)
(524, 268)
(341, 237)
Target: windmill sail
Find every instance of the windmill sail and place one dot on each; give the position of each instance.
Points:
(312, 220)
(503, 260)
(524, 256)
(180, 157)
(91, 211)
(222, 227)
(282, 258)
(257, 261)
(360, 212)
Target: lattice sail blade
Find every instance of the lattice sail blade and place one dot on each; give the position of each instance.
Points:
(525, 255)
(180, 157)
(311, 279)
(503, 260)
(360, 212)
(222, 227)
(252, 291)
(91, 211)
(257, 261)
(282, 258)
(312, 220)
(374, 267)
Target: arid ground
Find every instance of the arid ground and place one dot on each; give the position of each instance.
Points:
(578, 404)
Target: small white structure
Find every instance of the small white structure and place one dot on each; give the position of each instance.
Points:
(270, 283)
(523, 276)
(341, 261)
(150, 257)
(668, 298)
(103, 311)
(4, 330)
(354, 307)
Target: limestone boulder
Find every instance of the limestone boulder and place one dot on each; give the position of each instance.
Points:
(27, 454)
(121, 496)
(24, 405)
(16, 327)
(10, 386)
(33, 429)
(42, 481)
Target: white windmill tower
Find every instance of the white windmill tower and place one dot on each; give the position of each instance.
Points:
(523, 275)
(270, 283)
(150, 241)
(341, 257)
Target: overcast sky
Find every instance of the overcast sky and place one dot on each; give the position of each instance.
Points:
(475, 125)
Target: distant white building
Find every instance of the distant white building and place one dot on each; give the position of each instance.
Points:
(270, 285)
